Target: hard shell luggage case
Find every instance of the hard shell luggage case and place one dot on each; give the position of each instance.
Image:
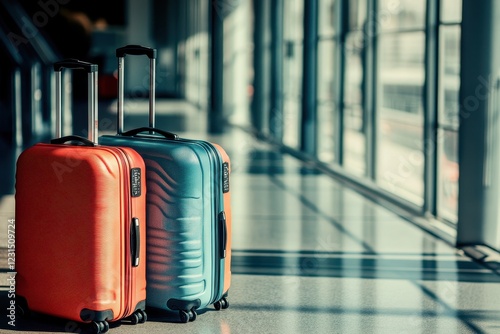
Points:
(80, 220)
(188, 210)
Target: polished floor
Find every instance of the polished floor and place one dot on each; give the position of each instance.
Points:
(313, 256)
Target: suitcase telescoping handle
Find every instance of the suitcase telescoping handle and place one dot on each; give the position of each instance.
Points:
(136, 50)
(91, 69)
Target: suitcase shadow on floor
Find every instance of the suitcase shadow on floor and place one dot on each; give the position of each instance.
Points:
(158, 315)
(36, 322)
(44, 323)
(11, 320)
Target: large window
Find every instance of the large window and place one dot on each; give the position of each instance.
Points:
(237, 61)
(355, 120)
(292, 71)
(448, 110)
(388, 78)
(374, 115)
(388, 89)
(193, 53)
(399, 91)
(328, 83)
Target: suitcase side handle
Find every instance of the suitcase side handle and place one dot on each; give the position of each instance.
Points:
(166, 134)
(135, 241)
(135, 50)
(222, 234)
(91, 70)
(73, 138)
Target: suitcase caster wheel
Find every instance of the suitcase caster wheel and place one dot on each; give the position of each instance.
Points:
(187, 316)
(225, 303)
(193, 315)
(221, 304)
(98, 327)
(134, 319)
(184, 316)
(143, 317)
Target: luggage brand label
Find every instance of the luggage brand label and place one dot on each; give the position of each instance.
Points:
(225, 177)
(135, 182)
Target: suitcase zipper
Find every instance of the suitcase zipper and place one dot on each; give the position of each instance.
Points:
(128, 261)
(219, 216)
(127, 298)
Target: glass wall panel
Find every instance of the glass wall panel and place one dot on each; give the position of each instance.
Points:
(327, 17)
(326, 70)
(357, 14)
(451, 10)
(291, 122)
(293, 20)
(354, 140)
(328, 81)
(448, 119)
(237, 62)
(292, 70)
(449, 76)
(447, 192)
(401, 14)
(327, 128)
(400, 80)
(292, 63)
(354, 92)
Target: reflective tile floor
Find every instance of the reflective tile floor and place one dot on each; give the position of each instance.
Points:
(312, 256)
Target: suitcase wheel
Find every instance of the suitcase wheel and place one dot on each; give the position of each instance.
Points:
(187, 316)
(138, 317)
(99, 327)
(221, 304)
(143, 317)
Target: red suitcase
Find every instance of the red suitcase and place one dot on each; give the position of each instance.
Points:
(80, 220)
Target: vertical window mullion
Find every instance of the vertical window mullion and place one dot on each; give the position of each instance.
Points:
(308, 142)
(276, 110)
(372, 28)
(369, 107)
(430, 106)
(340, 40)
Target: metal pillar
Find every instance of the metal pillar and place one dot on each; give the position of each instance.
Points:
(479, 66)
(308, 137)
(276, 112)
(216, 112)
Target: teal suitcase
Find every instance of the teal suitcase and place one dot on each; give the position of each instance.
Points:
(188, 210)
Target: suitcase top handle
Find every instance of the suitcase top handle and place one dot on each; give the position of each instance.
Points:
(91, 69)
(75, 64)
(166, 134)
(136, 50)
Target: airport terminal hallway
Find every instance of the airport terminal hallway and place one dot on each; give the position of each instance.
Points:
(311, 255)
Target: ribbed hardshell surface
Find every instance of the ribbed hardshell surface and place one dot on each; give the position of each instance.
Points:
(180, 220)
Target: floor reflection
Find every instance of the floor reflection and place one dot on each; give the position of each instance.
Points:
(311, 255)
